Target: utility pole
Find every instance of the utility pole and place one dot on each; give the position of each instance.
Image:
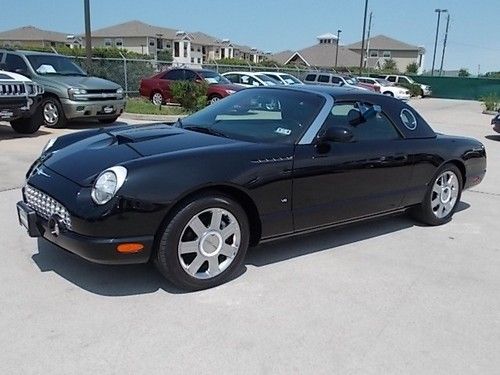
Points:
(363, 39)
(337, 50)
(444, 44)
(88, 35)
(438, 11)
(368, 39)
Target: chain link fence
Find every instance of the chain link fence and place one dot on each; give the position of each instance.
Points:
(129, 72)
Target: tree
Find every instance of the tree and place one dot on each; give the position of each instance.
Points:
(390, 66)
(165, 56)
(463, 73)
(412, 68)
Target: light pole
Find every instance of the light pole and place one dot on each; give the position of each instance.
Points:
(88, 36)
(438, 11)
(363, 40)
(337, 50)
(444, 44)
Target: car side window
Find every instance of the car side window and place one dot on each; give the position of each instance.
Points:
(375, 127)
(310, 77)
(403, 80)
(336, 80)
(247, 80)
(391, 78)
(174, 75)
(324, 78)
(15, 63)
(189, 75)
(234, 78)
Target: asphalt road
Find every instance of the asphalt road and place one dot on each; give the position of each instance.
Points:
(385, 297)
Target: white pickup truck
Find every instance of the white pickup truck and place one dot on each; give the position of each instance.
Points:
(20, 100)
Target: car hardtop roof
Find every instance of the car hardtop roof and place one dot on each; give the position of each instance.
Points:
(243, 72)
(335, 92)
(27, 52)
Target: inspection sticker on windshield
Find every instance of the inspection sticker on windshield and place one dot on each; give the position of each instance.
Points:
(283, 131)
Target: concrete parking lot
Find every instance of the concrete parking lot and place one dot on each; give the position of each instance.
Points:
(385, 297)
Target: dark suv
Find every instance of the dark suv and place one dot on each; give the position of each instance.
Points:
(20, 100)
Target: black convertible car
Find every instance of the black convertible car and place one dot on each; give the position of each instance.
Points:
(259, 165)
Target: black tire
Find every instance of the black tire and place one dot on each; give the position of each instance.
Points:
(424, 212)
(167, 259)
(422, 93)
(51, 103)
(108, 120)
(389, 93)
(162, 101)
(214, 98)
(28, 125)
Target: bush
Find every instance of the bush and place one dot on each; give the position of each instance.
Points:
(390, 66)
(463, 73)
(491, 102)
(412, 68)
(190, 95)
(415, 90)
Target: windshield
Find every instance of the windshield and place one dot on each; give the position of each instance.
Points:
(291, 80)
(258, 115)
(54, 64)
(268, 80)
(214, 78)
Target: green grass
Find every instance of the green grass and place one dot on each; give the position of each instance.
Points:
(143, 106)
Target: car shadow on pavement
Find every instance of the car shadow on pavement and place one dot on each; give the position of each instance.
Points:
(126, 280)
(6, 132)
(493, 137)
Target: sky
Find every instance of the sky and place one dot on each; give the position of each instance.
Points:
(276, 25)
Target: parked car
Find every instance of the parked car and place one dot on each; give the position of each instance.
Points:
(70, 94)
(284, 78)
(387, 88)
(158, 87)
(20, 100)
(251, 79)
(331, 79)
(192, 197)
(495, 121)
(425, 90)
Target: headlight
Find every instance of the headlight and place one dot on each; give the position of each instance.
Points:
(108, 183)
(120, 93)
(49, 144)
(75, 93)
(229, 92)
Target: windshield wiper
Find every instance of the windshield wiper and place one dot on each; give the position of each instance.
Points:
(201, 129)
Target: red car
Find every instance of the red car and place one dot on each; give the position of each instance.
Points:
(157, 87)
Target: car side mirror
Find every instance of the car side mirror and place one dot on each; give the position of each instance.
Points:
(337, 134)
(341, 83)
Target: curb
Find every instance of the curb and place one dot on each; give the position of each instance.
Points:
(485, 112)
(145, 117)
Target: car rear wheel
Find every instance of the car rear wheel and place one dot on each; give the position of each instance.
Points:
(214, 98)
(388, 93)
(28, 125)
(53, 114)
(157, 98)
(442, 197)
(204, 243)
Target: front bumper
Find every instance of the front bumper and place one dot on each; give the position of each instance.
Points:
(403, 97)
(93, 109)
(427, 91)
(94, 249)
(15, 108)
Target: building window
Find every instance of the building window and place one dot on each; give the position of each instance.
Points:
(108, 43)
(152, 42)
(199, 60)
(373, 53)
(118, 42)
(203, 50)
(192, 60)
(176, 49)
(167, 46)
(387, 54)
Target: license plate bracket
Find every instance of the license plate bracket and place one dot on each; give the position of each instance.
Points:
(28, 219)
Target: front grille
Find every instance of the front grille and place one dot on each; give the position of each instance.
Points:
(12, 89)
(46, 206)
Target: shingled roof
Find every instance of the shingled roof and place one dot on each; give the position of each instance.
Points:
(382, 42)
(133, 29)
(33, 33)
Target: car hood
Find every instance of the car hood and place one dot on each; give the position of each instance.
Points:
(87, 83)
(82, 160)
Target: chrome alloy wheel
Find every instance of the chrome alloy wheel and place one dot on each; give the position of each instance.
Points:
(50, 113)
(209, 243)
(157, 98)
(214, 99)
(444, 194)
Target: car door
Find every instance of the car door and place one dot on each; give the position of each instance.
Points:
(166, 81)
(16, 64)
(335, 182)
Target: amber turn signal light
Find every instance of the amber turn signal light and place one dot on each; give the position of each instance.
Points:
(130, 248)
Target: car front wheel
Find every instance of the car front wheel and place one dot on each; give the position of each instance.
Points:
(157, 98)
(53, 114)
(204, 243)
(442, 197)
